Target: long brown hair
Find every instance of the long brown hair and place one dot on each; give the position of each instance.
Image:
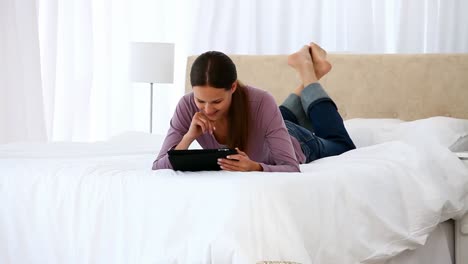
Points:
(216, 69)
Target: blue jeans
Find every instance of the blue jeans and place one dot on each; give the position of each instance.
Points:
(314, 121)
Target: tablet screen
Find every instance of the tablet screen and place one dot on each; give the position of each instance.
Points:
(198, 159)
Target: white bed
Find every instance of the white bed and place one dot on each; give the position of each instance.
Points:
(389, 201)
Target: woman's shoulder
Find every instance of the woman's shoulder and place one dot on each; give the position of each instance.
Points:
(259, 96)
(186, 99)
(186, 103)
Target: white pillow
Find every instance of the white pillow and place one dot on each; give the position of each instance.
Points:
(364, 131)
(137, 141)
(447, 131)
(461, 145)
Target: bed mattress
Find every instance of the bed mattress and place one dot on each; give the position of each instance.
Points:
(66, 203)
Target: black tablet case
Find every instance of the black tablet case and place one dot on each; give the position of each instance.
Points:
(198, 159)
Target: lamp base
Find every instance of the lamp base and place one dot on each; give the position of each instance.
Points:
(151, 109)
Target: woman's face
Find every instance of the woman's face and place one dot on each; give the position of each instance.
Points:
(213, 102)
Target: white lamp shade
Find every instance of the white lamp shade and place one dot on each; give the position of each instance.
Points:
(152, 62)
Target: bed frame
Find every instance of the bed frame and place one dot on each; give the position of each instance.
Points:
(404, 86)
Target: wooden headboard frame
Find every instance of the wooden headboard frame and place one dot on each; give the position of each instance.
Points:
(405, 86)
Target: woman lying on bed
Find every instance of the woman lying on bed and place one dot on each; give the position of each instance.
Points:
(222, 112)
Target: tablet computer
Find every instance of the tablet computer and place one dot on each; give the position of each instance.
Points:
(198, 159)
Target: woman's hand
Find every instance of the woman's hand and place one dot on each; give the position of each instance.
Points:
(239, 162)
(200, 125)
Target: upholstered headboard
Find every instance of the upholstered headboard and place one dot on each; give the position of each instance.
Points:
(401, 86)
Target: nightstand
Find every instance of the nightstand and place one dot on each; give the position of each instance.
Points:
(461, 225)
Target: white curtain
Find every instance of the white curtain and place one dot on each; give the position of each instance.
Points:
(357, 26)
(21, 107)
(84, 59)
(433, 26)
(64, 64)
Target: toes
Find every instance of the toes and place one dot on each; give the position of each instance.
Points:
(321, 53)
(306, 50)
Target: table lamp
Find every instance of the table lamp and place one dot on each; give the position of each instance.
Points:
(152, 62)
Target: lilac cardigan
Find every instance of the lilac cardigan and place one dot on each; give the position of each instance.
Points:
(269, 141)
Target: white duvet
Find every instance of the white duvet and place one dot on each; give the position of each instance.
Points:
(101, 203)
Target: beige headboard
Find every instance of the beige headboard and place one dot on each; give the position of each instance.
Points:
(401, 86)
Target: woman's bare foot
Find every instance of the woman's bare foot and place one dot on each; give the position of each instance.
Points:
(300, 57)
(319, 58)
(301, 61)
